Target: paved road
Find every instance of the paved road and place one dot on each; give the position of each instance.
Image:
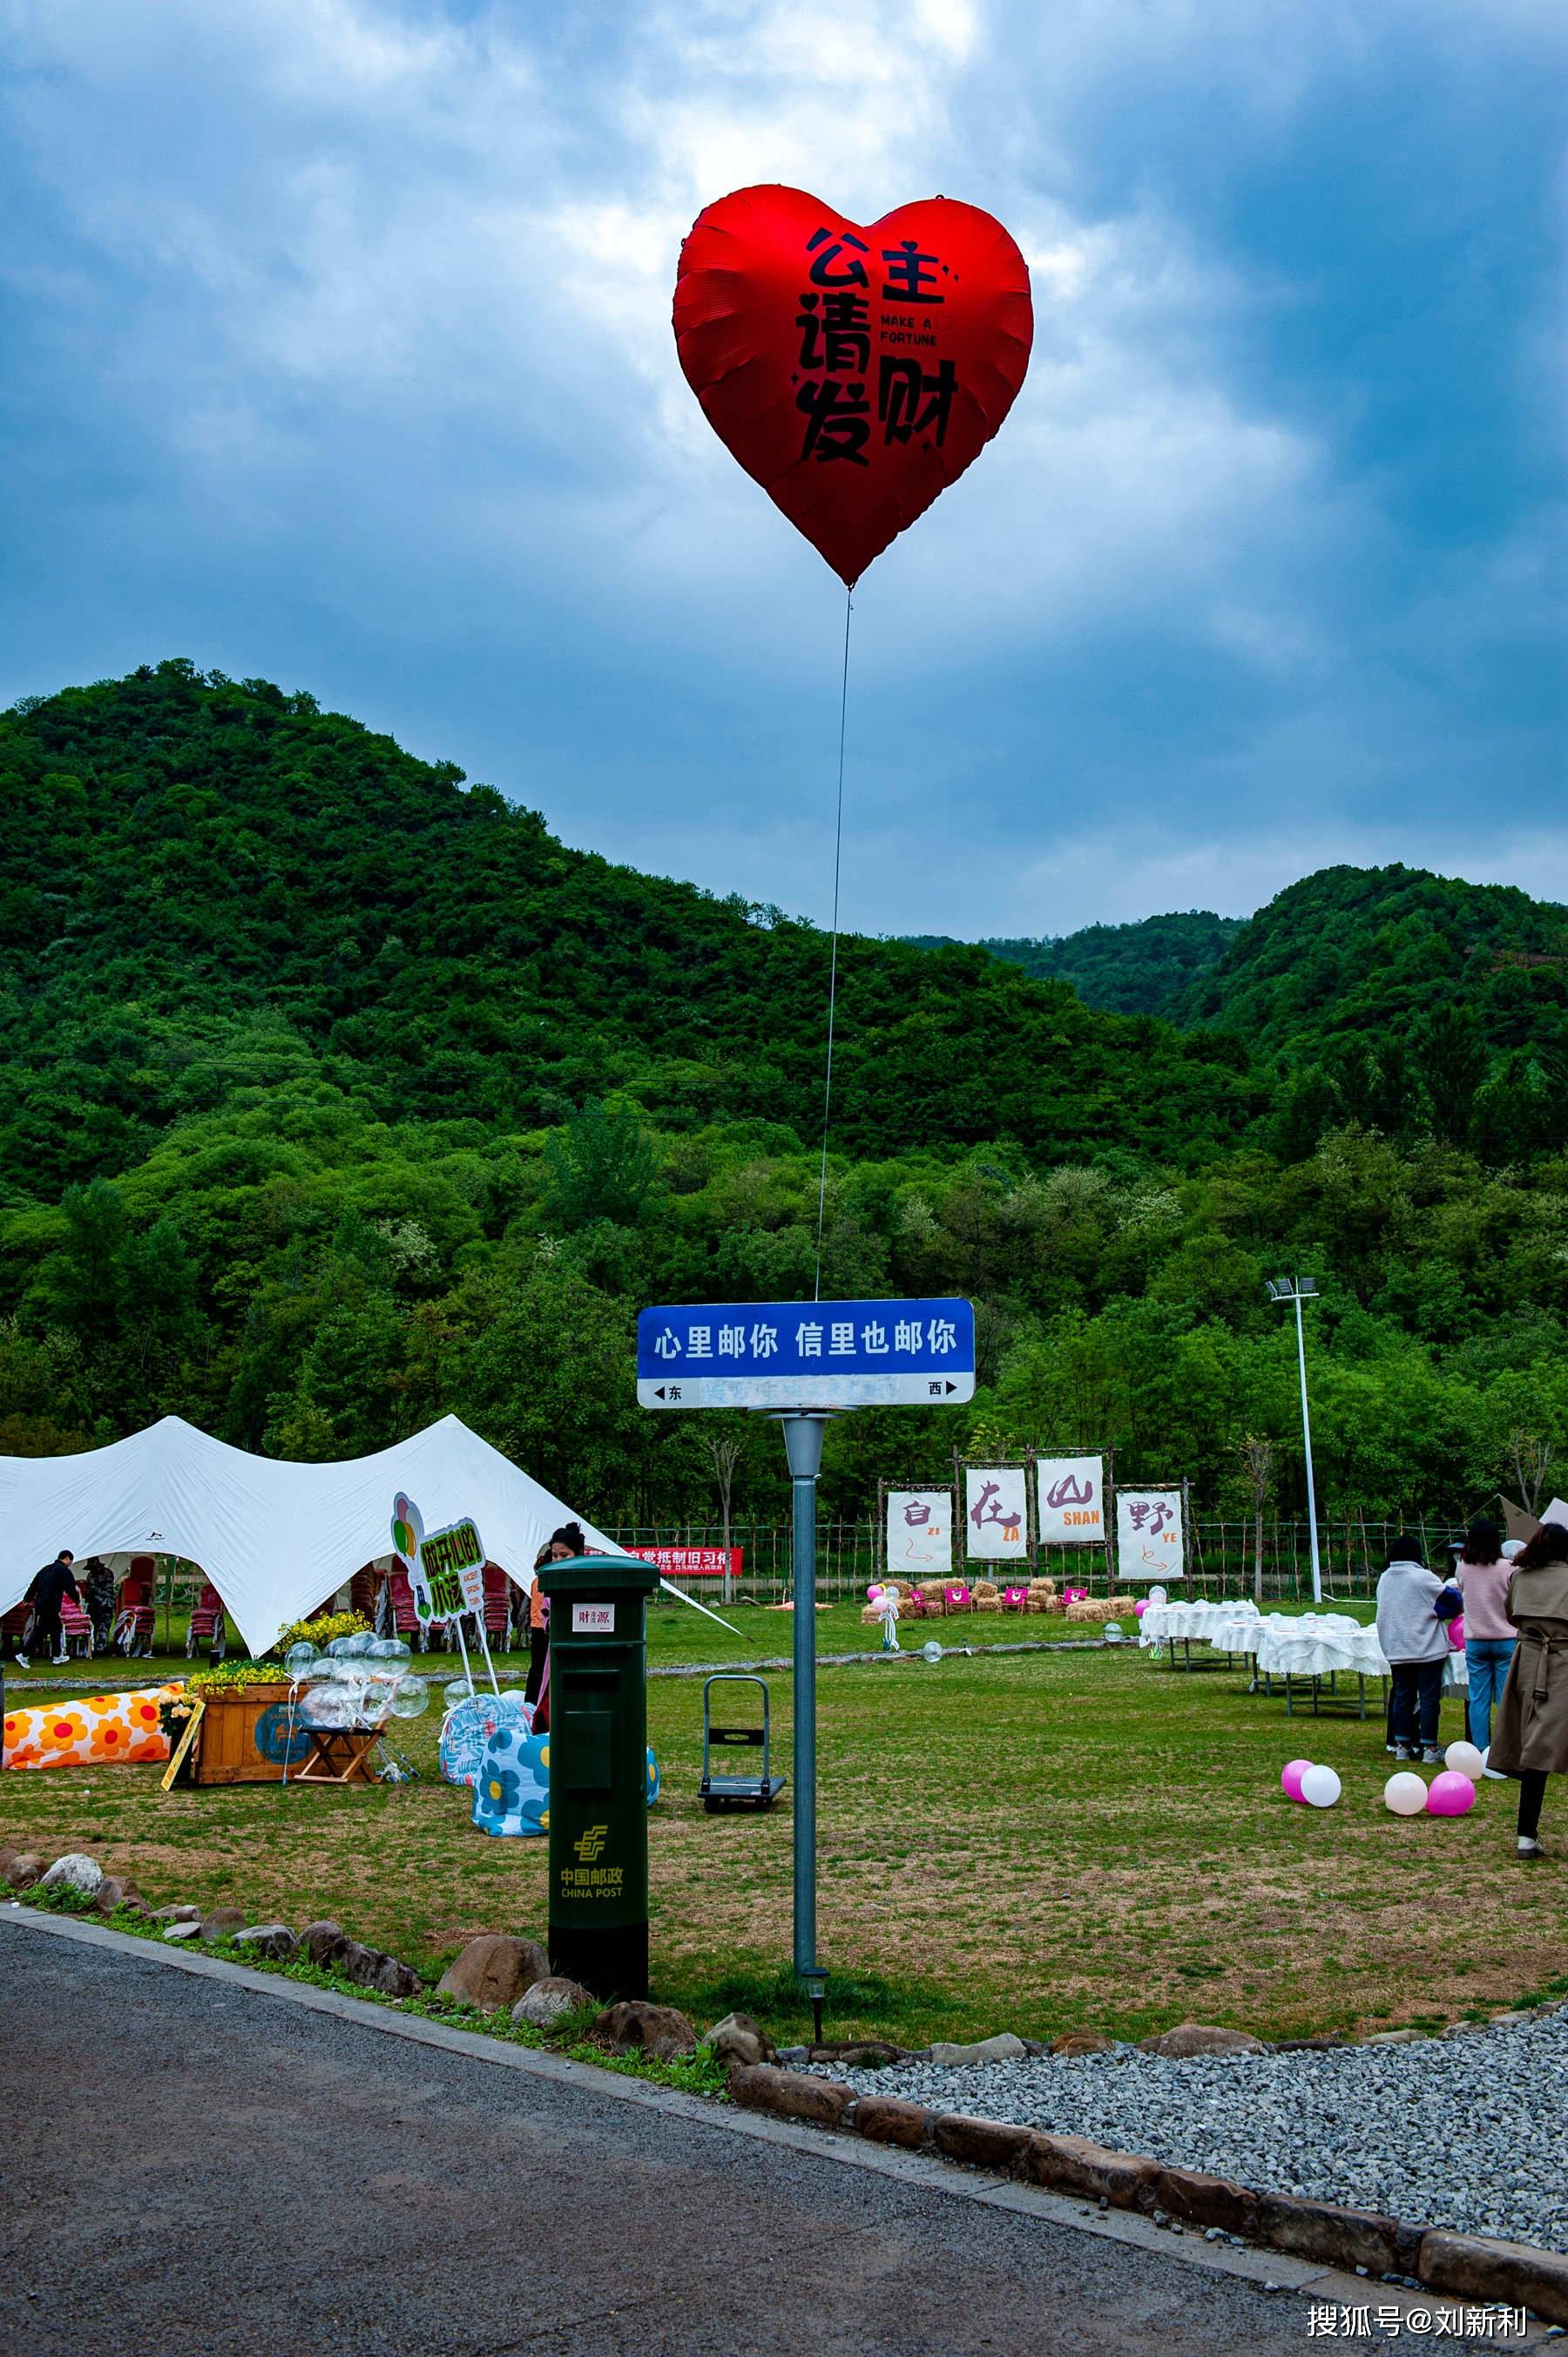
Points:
(192, 2168)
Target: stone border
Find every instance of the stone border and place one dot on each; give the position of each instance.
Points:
(1467, 2266)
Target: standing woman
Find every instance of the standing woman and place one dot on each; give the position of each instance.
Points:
(1531, 1737)
(1484, 1573)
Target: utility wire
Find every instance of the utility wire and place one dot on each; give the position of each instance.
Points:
(833, 958)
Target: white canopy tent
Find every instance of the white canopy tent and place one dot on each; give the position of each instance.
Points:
(272, 1538)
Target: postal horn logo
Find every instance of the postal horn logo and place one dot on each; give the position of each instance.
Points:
(589, 1845)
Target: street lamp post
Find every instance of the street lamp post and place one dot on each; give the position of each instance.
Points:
(1299, 1289)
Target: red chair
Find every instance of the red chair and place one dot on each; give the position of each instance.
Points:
(75, 1629)
(405, 1621)
(207, 1626)
(137, 1617)
(15, 1626)
(498, 1607)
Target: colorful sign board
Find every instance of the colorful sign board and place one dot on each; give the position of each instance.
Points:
(806, 1354)
(919, 1534)
(446, 1568)
(1149, 1534)
(996, 1513)
(1070, 1504)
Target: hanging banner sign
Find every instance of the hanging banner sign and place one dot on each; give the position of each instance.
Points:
(919, 1534)
(996, 1513)
(1070, 1505)
(446, 1568)
(1149, 1534)
(806, 1354)
(692, 1562)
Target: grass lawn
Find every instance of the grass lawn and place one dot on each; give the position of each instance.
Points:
(1038, 1841)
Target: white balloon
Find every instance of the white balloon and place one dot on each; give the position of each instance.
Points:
(1464, 1759)
(1405, 1794)
(1158, 1596)
(1320, 1787)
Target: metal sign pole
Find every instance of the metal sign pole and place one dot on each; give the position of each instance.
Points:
(803, 1446)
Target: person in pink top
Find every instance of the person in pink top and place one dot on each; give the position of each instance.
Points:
(1484, 1572)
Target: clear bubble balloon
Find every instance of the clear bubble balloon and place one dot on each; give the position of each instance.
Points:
(392, 1649)
(460, 1690)
(326, 1707)
(299, 1660)
(931, 1652)
(411, 1698)
(339, 1648)
(1113, 1632)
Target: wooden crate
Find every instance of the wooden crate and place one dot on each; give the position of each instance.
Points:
(227, 1752)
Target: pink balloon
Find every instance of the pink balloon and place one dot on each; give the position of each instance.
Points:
(1457, 1632)
(1450, 1794)
(1291, 1776)
(1141, 1607)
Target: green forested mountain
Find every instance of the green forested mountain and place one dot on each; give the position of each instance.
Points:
(1144, 968)
(337, 1096)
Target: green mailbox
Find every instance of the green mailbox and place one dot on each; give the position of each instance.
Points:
(598, 1770)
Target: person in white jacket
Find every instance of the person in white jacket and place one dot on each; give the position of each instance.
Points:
(1415, 1637)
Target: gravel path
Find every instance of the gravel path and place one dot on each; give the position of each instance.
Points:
(1468, 2131)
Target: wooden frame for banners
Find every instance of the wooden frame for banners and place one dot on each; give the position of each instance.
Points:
(1027, 1463)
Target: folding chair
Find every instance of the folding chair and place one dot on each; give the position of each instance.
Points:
(208, 1625)
(76, 1629)
(138, 1615)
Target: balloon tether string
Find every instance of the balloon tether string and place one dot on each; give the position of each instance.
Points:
(834, 955)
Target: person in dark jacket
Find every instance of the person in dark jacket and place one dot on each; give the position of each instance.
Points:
(97, 1584)
(44, 1593)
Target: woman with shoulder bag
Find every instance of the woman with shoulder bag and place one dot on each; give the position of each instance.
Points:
(1530, 1740)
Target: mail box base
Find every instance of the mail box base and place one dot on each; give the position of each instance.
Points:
(611, 1964)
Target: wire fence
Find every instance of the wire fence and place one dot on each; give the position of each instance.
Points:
(1222, 1556)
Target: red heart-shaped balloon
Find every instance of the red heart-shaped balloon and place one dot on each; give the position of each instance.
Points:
(854, 372)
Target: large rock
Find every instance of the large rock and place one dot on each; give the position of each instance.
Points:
(324, 1942)
(1193, 2037)
(1002, 2048)
(544, 2003)
(1076, 2165)
(635, 2027)
(116, 1890)
(1340, 2237)
(494, 1971)
(1200, 2199)
(792, 2094)
(24, 1870)
(887, 2119)
(985, 2144)
(1082, 2041)
(738, 2038)
(222, 1923)
(391, 1979)
(176, 1914)
(275, 1941)
(1513, 2274)
(74, 1872)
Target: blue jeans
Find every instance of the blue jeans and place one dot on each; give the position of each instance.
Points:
(1486, 1663)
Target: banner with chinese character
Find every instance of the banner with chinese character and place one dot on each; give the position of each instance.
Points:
(1149, 1534)
(1069, 1504)
(693, 1562)
(919, 1534)
(996, 1527)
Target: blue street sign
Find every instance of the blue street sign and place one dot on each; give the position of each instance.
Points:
(783, 1355)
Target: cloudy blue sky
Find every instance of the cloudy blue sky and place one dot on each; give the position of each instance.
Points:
(338, 350)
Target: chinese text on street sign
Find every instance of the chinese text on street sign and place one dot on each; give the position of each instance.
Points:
(806, 1354)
